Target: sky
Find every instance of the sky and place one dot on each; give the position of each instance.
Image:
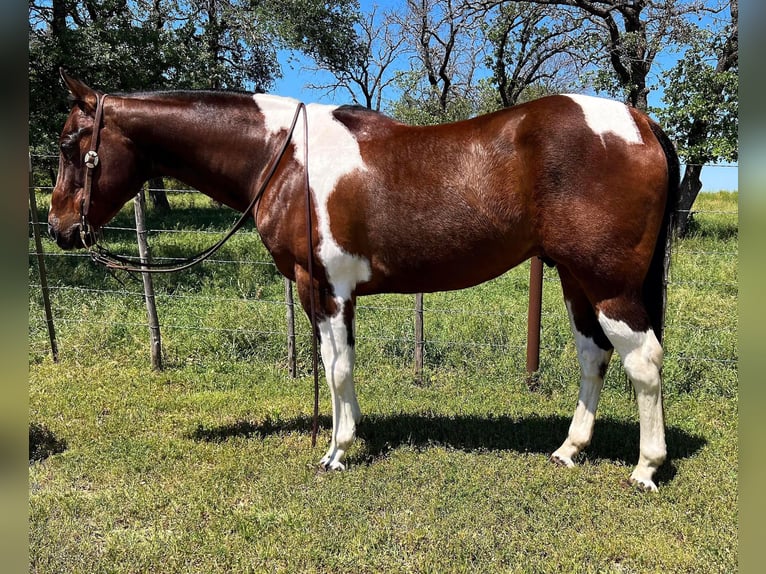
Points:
(296, 75)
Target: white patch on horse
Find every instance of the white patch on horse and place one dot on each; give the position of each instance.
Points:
(338, 358)
(608, 116)
(333, 153)
(642, 355)
(593, 359)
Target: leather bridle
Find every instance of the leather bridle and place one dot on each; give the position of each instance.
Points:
(111, 260)
(91, 160)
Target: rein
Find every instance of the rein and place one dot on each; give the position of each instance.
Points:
(101, 255)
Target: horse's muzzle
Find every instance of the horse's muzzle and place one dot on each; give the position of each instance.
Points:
(70, 238)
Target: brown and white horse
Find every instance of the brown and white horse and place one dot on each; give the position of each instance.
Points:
(587, 184)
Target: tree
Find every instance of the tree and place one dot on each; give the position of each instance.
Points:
(444, 40)
(98, 40)
(632, 33)
(701, 107)
(379, 44)
(535, 51)
(156, 44)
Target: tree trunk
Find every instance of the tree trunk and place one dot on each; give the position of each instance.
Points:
(691, 183)
(157, 194)
(690, 188)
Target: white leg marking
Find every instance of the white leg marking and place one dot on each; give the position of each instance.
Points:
(593, 361)
(608, 116)
(338, 359)
(641, 355)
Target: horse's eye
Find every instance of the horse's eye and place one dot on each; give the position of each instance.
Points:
(69, 148)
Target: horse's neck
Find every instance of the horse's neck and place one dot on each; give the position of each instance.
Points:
(216, 145)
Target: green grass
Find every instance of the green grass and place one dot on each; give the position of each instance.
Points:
(208, 467)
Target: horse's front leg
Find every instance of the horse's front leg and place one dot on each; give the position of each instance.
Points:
(336, 336)
(335, 328)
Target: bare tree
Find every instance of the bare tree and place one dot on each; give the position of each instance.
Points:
(536, 51)
(367, 77)
(633, 33)
(445, 37)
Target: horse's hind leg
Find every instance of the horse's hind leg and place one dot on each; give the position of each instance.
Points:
(593, 353)
(626, 323)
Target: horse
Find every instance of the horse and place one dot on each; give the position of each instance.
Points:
(587, 184)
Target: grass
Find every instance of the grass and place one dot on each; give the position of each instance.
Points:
(207, 465)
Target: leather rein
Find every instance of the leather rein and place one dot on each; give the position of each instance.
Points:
(111, 260)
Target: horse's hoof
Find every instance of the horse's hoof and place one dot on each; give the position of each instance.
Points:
(559, 460)
(644, 485)
(327, 465)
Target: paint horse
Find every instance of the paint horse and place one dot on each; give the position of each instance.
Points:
(587, 184)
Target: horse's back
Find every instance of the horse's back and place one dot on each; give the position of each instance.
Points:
(566, 177)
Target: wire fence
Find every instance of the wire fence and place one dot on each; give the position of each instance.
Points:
(237, 309)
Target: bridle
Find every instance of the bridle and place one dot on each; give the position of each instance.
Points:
(100, 254)
(91, 161)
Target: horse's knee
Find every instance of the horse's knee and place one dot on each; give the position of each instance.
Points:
(340, 370)
(643, 373)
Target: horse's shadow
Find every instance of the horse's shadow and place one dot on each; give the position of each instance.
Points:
(613, 440)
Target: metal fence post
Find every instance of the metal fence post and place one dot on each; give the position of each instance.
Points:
(419, 337)
(533, 318)
(291, 358)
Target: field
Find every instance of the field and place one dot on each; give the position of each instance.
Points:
(207, 465)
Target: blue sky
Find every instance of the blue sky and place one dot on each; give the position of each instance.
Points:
(297, 75)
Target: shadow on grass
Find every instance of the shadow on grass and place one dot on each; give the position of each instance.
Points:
(613, 439)
(43, 443)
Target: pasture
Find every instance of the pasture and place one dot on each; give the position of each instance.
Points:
(207, 466)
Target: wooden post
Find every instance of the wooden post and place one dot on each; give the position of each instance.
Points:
(41, 266)
(155, 340)
(291, 358)
(533, 318)
(419, 337)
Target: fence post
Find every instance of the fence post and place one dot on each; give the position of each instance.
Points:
(291, 359)
(533, 318)
(41, 266)
(155, 340)
(419, 337)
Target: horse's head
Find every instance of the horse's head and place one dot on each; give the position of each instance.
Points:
(85, 198)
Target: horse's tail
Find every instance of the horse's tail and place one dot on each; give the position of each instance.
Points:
(656, 282)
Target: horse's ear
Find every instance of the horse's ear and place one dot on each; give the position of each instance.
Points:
(85, 97)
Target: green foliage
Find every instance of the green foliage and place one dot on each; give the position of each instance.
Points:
(103, 42)
(420, 104)
(697, 94)
(322, 30)
(140, 45)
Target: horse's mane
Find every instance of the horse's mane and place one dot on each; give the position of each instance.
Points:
(184, 94)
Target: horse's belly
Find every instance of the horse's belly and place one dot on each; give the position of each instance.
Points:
(444, 267)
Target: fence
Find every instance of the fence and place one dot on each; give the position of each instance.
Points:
(408, 339)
